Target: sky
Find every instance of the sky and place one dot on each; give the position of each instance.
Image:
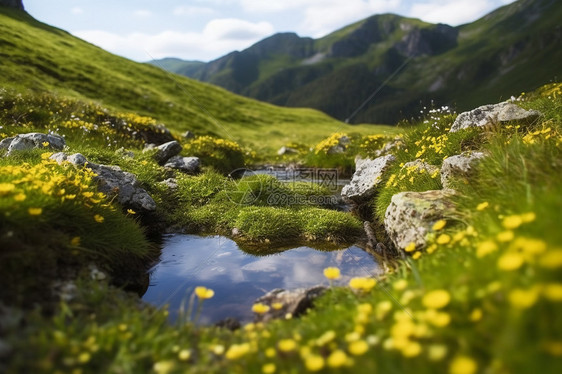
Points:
(204, 30)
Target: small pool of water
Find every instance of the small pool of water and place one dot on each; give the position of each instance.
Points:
(239, 278)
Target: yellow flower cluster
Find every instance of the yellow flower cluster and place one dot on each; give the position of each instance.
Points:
(325, 145)
(36, 188)
(372, 143)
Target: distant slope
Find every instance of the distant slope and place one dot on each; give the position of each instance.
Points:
(39, 57)
(516, 48)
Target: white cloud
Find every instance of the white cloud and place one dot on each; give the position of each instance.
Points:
(451, 12)
(142, 13)
(77, 10)
(219, 37)
(192, 10)
(323, 17)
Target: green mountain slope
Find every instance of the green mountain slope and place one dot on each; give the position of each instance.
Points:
(39, 57)
(514, 49)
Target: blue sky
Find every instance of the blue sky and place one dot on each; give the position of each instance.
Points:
(207, 29)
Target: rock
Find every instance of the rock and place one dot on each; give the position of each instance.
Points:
(294, 302)
(390, 147)
(366, 178)
(114, 181)
(229, 323)
(419, 165)
(189, 165)
(235, 231)
(286, 151)
(170, 183)
(188, 135)
(343, 142)
(459, 166)
(158, 134)
(371, 237)
(166, 151)
(489, 115)
(410, 216)
(25, 142)
(5, 143)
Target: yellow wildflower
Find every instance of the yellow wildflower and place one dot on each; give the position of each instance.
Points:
(6, 188)
(260, 308)
(268, 368)
(463, 365)
(237, 350)
(98, 218)
(411, 349)
(410, 247)
(326, 338)
(204, 293)
(184, 355)
(512, 222)
(437, 352)
(523, 299)
(20, 197)
(277, 306)
(476, 315)
(337, 359)
(439, 225)
(75, 241)
(485, 248)
(358, 348)
(416, 255)
(314, 363)
(35, 211)
(332, 273)
(400, 285)
(553, 292)
(510, 261)
(436, 299)
(287, 345)
(551, 259)
(363, 284)
(505, 236)
(482, 206)
(443, 239)
(130, 211)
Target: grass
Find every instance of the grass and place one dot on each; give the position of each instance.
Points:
(41, 58)
(484, 295)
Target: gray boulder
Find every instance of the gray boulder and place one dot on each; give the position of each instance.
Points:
(295, 302)
(286, 151)
(419, 165)
(367, 177)
(166, 151)
(188, 135)
(113, 181)
(390, 147)
(459, 166)
(489, 115)
(410, 216)
(25, 142)
(343, 142)
(189, 165)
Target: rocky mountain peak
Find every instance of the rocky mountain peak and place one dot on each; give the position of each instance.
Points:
(18, 4)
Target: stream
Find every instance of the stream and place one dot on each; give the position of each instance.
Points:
(240, 276)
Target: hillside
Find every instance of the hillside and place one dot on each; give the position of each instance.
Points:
(35, 56)
(513, 49)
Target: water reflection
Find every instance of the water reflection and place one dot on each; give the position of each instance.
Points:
(237, 277)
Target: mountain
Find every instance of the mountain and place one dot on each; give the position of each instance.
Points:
(35, 56)
(413, 63)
